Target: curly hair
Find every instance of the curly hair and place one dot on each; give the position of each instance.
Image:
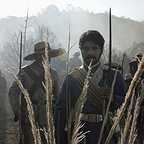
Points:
(91, 35)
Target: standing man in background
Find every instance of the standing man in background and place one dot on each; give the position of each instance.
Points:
(32, 77)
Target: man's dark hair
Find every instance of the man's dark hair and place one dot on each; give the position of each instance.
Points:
(91, 35)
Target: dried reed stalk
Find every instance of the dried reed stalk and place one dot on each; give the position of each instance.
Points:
(49, 96)
(77, 134)
(122, 110)
(35, 131)
(133, 132)
(128, 120)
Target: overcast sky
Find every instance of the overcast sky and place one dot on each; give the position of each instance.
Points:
(133, 9)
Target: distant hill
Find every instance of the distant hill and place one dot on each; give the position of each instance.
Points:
(125, 31)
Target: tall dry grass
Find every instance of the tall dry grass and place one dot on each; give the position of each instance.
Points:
(122, 110)
(77, 134)
(35, 131)
(49, 96)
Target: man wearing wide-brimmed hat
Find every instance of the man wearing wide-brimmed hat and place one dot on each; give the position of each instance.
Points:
(32, 77)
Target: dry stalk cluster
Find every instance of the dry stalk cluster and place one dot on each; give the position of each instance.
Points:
(78, 135)
(129, 111)
(31, 117)
(49, 95)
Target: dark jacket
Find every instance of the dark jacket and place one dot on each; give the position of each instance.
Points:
(69, 94)
(32, 77)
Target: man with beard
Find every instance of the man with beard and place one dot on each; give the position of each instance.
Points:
(91, 45)
(32, 78)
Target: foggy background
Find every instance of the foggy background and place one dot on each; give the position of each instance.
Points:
(54, 23)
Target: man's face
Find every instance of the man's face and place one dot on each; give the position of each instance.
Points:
(91, 51)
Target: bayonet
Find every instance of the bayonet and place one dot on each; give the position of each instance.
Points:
(20, 67)
(20, 55)
(110, 40)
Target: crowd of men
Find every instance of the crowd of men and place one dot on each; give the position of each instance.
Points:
(65, 97)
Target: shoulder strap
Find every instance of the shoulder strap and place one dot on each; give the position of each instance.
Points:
(95, 94)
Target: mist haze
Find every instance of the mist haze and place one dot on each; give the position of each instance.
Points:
(125, 31)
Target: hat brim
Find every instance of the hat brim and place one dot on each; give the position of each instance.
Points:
(52, 53)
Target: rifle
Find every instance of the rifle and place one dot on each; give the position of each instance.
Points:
(107, 73)
(20, 58)
(123, 63)
(68, 102)
(20, 67)
(110, 39)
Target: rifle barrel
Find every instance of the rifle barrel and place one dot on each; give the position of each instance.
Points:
(20, 63)
(110, 39)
